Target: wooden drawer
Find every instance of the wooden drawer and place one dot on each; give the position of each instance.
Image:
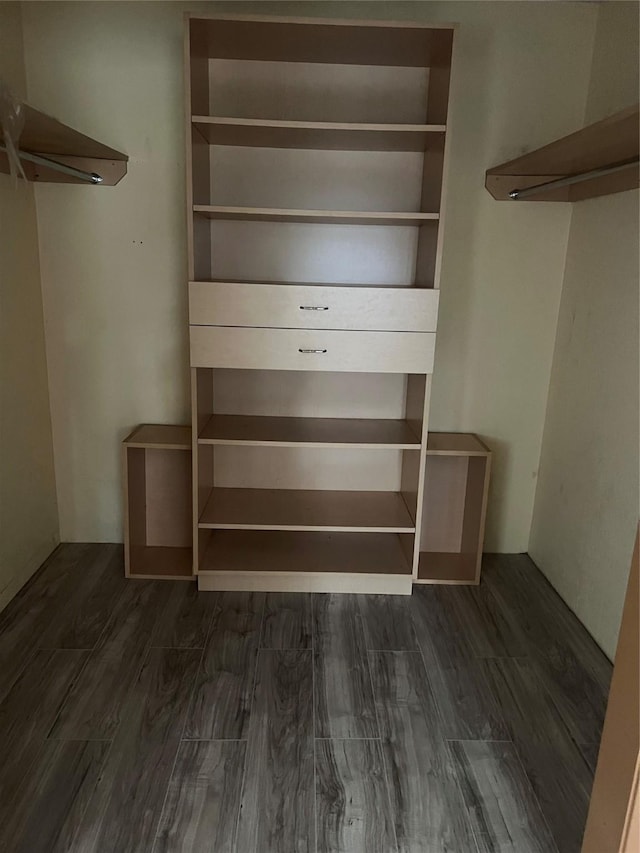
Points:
(306, 349)
(295, 306)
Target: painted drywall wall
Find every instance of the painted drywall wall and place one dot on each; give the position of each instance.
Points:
(586, 507)
(28, 511)
(114, 260)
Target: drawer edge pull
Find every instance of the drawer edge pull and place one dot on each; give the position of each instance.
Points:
(311, 350)
(314, 307)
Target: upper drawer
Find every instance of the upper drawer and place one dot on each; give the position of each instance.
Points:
(299, 306)
(306, 349)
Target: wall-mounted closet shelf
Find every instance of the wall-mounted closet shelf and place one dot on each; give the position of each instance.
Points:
(335, 136)
(600, 159)
(43, 135)
(311, 510)
(309, 432)
(323, 217)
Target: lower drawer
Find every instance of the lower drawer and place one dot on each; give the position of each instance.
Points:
(306, 349)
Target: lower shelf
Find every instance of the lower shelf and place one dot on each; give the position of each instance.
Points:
(440, 567)
(273, 561)
(161, 562)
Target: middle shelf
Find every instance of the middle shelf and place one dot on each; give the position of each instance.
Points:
(264, 431)
(300, 509)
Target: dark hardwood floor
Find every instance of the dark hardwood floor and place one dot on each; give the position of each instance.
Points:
(145, 716)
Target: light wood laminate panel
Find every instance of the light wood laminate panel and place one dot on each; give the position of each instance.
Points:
(322, 217)
(160, 436)
(299, 509)
(159, 562)
(303, 349)
(292, 306)
(326, 135)
(455, 444)
(309, 432)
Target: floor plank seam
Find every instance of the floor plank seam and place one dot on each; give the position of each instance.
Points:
(66, 696)
(477, 740)
(313, 720)
(177, 752)
(387, 778)
(373, 737)
(535, 796)
(107, 623)
(213, 739)
(83, 812)
(246, 752)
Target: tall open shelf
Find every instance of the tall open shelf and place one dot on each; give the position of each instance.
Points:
(316, 160)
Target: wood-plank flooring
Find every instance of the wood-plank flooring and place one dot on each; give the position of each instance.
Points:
(145, 716)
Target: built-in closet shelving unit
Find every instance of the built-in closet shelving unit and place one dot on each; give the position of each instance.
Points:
(316, 157)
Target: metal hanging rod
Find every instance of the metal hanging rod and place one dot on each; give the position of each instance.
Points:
(573, 179)
(39, 160)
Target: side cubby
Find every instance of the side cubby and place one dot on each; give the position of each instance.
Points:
(157, 498)
(457, 471)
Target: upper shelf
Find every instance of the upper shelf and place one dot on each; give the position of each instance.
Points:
(344, 42)
(563, 169)
(325, 135)
(43, 135)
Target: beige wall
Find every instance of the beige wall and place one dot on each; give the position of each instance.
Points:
(114, 260)
(28, 512)
(586, 507)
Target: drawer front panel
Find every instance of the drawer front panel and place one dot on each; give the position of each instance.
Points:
(294, 306)
(306, 349)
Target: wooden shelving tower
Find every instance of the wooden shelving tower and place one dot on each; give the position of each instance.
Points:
(316, 155)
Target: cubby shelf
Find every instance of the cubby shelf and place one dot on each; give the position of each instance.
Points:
(324, 135)
(309, 432)
(300, 509)
(157, 480)
(322, 217)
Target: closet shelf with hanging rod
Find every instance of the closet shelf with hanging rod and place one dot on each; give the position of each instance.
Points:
(52, 152)
(601, 159)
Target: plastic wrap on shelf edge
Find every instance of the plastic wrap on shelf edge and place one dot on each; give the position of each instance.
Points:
(11, 124)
